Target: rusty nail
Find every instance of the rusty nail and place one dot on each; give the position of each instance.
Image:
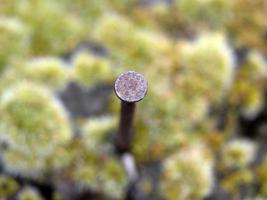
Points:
(130, 87)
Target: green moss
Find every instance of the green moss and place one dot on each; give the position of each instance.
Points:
(238, 153)
(261, 177)
(53, 30)
(96, 133)
(8, 186)
(248, 26)
(89, 69)
(214, 13)
(247, 91)
(208, 66)
(14, 40)
(135, 49)
(29, 193)
(48, 71)
(99, 172)
(187, 174)
(233, 181)
(24, 164)
(35, 123)
(32, 118)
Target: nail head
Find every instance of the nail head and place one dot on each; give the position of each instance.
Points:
(131, 87)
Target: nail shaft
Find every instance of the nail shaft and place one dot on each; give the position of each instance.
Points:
(124, 136)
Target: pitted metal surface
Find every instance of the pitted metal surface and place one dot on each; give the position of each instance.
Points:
(131, 87)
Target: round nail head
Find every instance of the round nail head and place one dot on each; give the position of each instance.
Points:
(131, 87)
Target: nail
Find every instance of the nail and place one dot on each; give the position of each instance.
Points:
(130, 87)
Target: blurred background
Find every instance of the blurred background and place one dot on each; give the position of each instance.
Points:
(200, 133)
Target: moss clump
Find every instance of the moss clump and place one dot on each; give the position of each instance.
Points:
(99, 172)
(8, 186)
(48, 71)
(187, 174)
(52, 29)
(135, 49)
(247, 92)
(14, 40)
(248, 26)
(238, 153)
(29, 193)
(89, 69)
(35, 124)
(215, 13)
(24, 164)
(234, 180)
(96, 133)
(261, 177)
(209, 65)
(33, 119)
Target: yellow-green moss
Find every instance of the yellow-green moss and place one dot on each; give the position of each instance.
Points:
(8, 186)
(49, 71)
(14, 40)
(89, 69)
(187, 174)
(238, 153)
(96, 133)
(33, 119)
(29, 193)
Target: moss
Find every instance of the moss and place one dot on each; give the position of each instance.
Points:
(233, 181)
(133, 50)
(35, 123)
(208, 66)
(27, 110)
(8, 186)
(189, 85)
(261, 177)
(187, 174)
(247, 91)
(14, 40)
(23, 164)
(48, 71)
(53, 30)
(89, 69)
(99, 172)
(248, 26)
(29, 193)
(10, 76)
(238, 153)
(96, 133)
(189, 67)
(215, 13)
